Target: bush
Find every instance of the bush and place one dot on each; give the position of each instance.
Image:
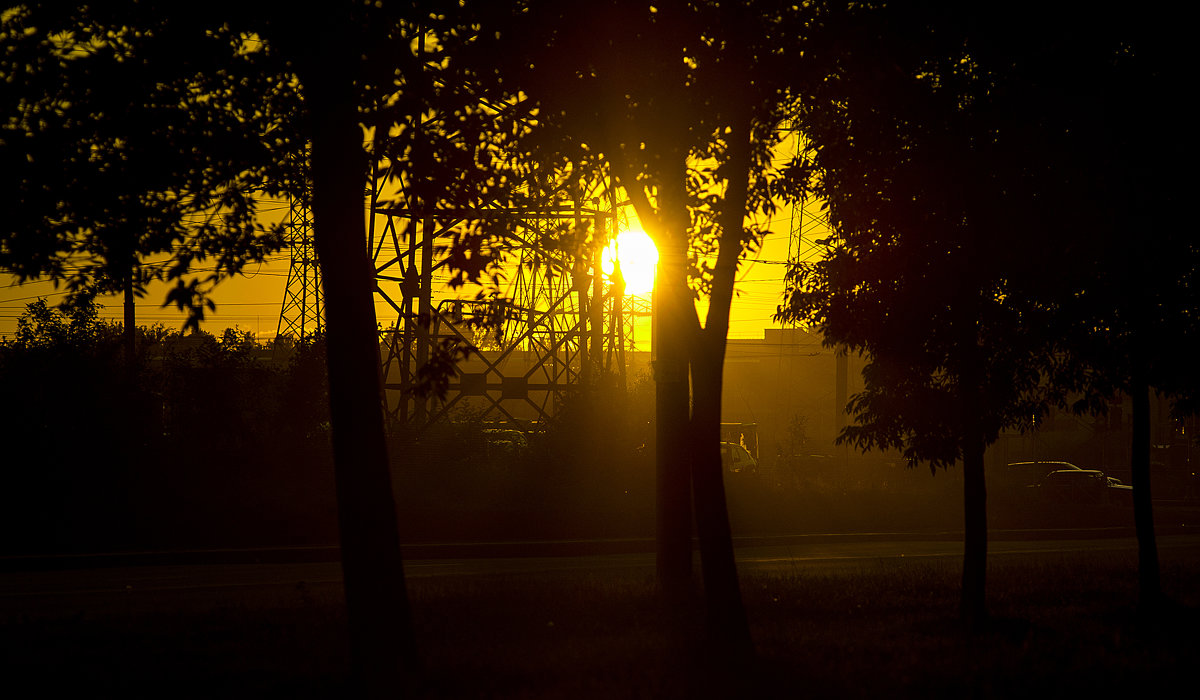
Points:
(194, 441)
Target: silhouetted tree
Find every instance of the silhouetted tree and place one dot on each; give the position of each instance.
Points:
(135, 147)
(365, 67)
(162, 112)
(917, 144)
(1129, 321)
(981, 184)
(196, 111)
(681, 101)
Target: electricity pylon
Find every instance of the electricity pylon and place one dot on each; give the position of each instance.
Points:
(301, 315)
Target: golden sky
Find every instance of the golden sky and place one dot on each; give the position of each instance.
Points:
(252, 302)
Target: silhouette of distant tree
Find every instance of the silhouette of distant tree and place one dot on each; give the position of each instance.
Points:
(76, 324)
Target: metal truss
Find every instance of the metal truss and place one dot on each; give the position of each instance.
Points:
(301, 314)
(559, 326)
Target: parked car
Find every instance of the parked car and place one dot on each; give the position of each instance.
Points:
(1075, 486)
(500, 442)
(1031, 473)
(736, 459)
(1119, 493)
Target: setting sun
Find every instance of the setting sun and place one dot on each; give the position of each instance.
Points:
(638, 258)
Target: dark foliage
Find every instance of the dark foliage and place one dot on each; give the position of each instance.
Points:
(926, 172)
(201, 442)
(164, 128)
(979, 169)
(981, 187)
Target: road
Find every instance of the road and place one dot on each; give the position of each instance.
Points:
(25, 590)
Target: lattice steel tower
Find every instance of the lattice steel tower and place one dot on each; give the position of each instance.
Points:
(301, 315)
(809, 222)
(563, 321)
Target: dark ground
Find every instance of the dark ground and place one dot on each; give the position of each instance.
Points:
(1065, 623)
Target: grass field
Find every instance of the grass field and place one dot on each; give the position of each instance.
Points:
(1064, 625)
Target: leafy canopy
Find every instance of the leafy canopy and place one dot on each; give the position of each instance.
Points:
(927, 143)
(139, 144)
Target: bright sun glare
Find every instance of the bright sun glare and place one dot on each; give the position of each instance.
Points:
(638, 257)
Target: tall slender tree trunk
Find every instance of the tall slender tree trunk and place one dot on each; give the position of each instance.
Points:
(973, 603)
(971, 372)
(1149, 584)
(381, 638)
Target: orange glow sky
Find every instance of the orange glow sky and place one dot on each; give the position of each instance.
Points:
(253, 302)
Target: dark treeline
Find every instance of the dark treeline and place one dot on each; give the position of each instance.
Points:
(207, 441)
(223, 441)
(200, 441)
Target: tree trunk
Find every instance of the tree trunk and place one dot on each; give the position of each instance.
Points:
(672, 455)
(1149, 585)
(973, 607)
(727, 623)
(726, 611)
(973, 604)
(381, 637)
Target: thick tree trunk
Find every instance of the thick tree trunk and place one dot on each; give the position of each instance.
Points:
(381, 637)
(727, 623)
(1149, 585)
(672, 455)
(672, 308)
